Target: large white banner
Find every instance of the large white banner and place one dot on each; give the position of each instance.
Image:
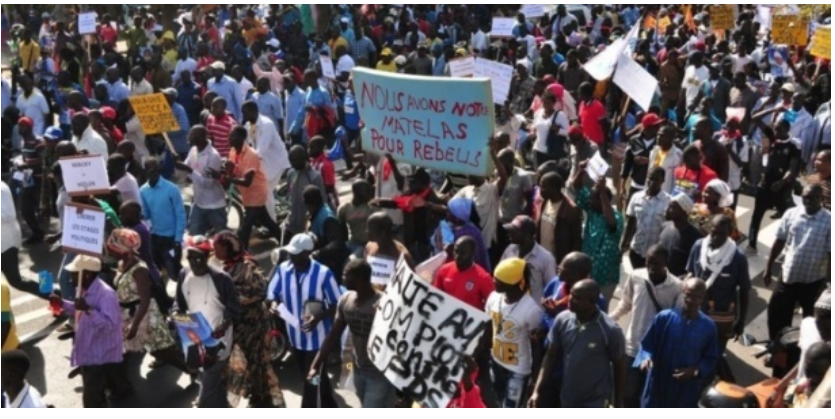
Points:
(420, 336)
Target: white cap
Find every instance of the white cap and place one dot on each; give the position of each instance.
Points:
(84, 263)
(218, 65)
(300, 243)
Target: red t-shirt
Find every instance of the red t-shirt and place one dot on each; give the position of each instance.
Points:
(590, 115)
(472, 286)
(693, 182)
(325, 168)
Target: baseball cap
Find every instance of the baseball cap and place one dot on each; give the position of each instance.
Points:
(26, 121)
(299, 244)
(84, 263)
(788, 87)
(510, 271)
(651, 120)
(218, 65)
(53, 134)
(523, 223)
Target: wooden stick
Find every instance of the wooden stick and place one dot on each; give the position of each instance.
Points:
(169, 144)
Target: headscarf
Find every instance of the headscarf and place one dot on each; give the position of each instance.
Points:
(511, 272)
(234, 248)
(726, 199)
(199, 243)
(461, 208)
(124, 241)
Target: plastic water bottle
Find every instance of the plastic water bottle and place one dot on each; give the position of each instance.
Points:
(46, 283)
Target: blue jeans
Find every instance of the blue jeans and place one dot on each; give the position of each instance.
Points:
(373, 389)
(201, 221)
(509, 387)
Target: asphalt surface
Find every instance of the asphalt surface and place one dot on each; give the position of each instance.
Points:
(167, 388)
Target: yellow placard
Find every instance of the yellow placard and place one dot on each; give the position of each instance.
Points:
(790, 30)
(154, 114)
(822, 43)
(663, 24)
(722, 16)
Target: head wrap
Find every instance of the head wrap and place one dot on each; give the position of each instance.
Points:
(199, 243)
(726, 199)
(234, 247)
(684, 202)
(461, 208)
(124, 241)
(511, 272)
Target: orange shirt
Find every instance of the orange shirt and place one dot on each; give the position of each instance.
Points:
(256, 194)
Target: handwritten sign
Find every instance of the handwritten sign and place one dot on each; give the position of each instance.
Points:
(636, 82)
(822, 43)
(382, 270)
(502, 27)
(83, 230)
(327, 67)
(87, 23)
(85, 175)
(532, 11)
(462, 67)
(723, 16)
(420, 336)
(154, 114)
(500, 76)
(597, 167)
(418, 121)
(789, 30)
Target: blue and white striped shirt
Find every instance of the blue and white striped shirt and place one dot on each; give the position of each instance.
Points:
(294, 289)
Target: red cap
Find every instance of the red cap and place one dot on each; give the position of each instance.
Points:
(575, 130)
(651, 120)
(108, 113)
(26, 121)
(700, 45)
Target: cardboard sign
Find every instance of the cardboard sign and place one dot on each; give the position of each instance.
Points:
(85, 175)
(636, 82)
(83, 230)
(327, 67)
(502, 27)
(382, 270)
(532, 11)
(419, 121)
(723, 16)
(154, 114)
(87, 23)
(500, 76)
(420, 336)
(597, 167)
(602, 66)
(462, 67)
(791, 30)
(822, 43)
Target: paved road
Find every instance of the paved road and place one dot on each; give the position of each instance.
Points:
(167, 388)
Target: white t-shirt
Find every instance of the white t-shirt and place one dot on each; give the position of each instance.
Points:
(513, 325)
(741, 62)
(693, 79)
(202, 297)
(245, 86)
(128, 187)
(34, 107)
(542, 125)
(387, 189)
(344, 65)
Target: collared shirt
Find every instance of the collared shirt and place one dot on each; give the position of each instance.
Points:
(637, 300)
(230, 90)
(11, 228)
(649, 212)
(118, 91)
(264, 138)
(162, 205)
(362, 48)
(36, 107)
(208, 192)
(92, 142)
(270, 105)
(186, 97)
(275, 77)
(180, 138)
(543, 267)
(28, 398)
(254, 195)
(515, 195)
(295, 107)
(99, 334)
(808, 245)
(296, 290)
(142, 88)
(803, 127)
(189, 64)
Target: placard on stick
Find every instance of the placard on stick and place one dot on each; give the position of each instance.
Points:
(723, 16)
(791, 30)
(87, 23)
(83, 230)
(532, 11)
(327, 67)
(503, 27)
(154, 114)
(462, 67)
(822, 43)
(85, 175)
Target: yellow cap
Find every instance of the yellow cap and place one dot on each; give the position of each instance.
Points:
(510, 271)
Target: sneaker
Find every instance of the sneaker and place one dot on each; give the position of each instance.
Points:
(64, 329)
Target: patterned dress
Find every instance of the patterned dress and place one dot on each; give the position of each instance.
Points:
(153, 332)
(251, 373)
(601, 243)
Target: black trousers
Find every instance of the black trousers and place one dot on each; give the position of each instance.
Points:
(314, 397)
(637, 261)
(765, 200)
(11, 270)
(784, 301)
(167, 254)
(260, 216)
(30, 202)
(98, 379)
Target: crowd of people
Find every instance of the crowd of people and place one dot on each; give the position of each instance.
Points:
(540, 246)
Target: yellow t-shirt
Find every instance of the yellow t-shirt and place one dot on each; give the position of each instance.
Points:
(391, 67)
(11, 341)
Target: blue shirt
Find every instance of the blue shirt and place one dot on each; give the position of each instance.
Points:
(270, 106)
(295, 105)
(185, 97)
(554, 291)
(439, 67)
(294, 289)
(180, 138)
(162, 205)
(118, 91)
(317, 98)
(228, 89)
(352, 112)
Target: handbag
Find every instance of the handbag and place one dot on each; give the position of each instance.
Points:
(556, 144)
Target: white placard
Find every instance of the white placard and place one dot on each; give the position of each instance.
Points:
(500, 76)
(382, 270)
(533, 11)
(87, 23)
(597, 167)
(327, 67)
(636, 82)
(502, 27)
(420, 336)
(86, 175)
(462, 67)
(83, 230)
